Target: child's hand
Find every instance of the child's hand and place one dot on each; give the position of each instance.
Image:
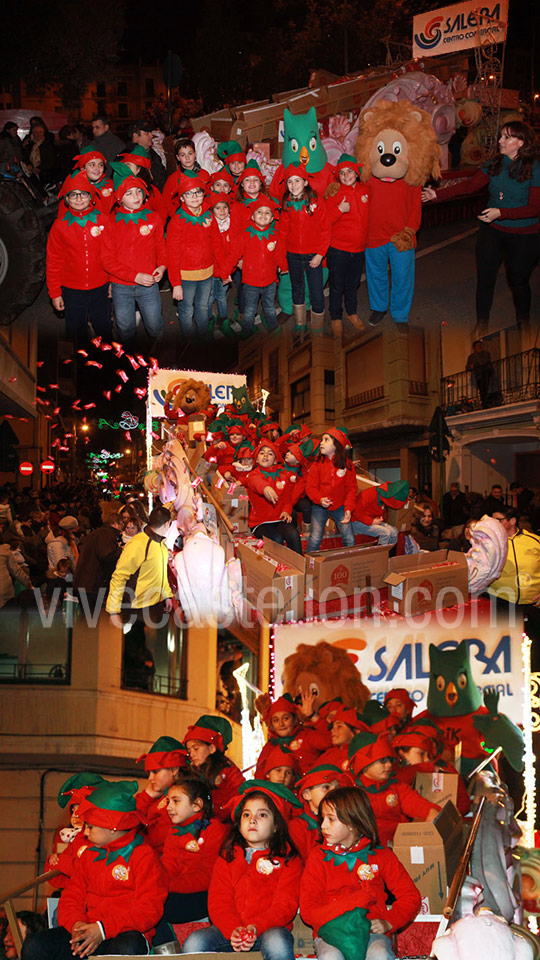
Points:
(344, 206)
(326, 502)
(285, 516)
(227, 280)
(53, 859)
(158, 273)
(380, 926)
(249, 937)
(428, 194)
(58, 303)
(177, 293)
(85, 938)
(271, 495)
(145, 279)
(346, 517)
(316, 261)
(237, 938)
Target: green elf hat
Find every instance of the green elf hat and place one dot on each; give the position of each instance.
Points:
(347, 162)
(323, 773)
(213, 730)
(251, 169)
(283, 798)
(123, 180)
(165, 753)
(349, 932)
(393, 493)
(78, 786)
(377, 717)
(87, 153)
(112, 806)
(137, 155)
(367, 748)
(230, 150)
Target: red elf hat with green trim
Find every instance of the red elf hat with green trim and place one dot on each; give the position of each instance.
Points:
(77, 180)
(273, 446)
(112, 806)
(283, 798)
(279, 757)
(323, 773)
(349, 716)
(340, 434)
(137, 155)
(262, 202)
(87, 153)
(230, 150)
(222, 174)
(165, 753)
(347, 162)
(214, 730)
(251, 169)
(124, 180)
(415, 738)
(399, 693)
(284, 704)
(191, 180)
(77, 787)
(295, 171)
(367, 748)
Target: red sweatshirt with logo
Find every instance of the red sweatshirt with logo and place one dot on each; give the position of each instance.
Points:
(326, 480)
(260, 509)
(263, 253)
(305, 229)
(134, 243)
(190, 246)
(75, 252)
(189, 859)
(349, 230)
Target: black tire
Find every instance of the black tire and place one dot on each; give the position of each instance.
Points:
(23, 242)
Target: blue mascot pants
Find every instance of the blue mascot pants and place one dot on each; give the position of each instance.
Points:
(399, 298)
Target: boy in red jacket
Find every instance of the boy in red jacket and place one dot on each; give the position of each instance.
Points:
(135, 257)
(116, 894)
(270, 506)
(369, 514)
(76, 277)
(262, 253)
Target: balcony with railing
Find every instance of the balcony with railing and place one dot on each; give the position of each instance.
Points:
(499, 383)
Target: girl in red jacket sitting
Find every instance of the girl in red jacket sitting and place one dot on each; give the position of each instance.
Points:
(135, 257)
(207, 742)
(162, 763)
(348, 215)
(331, 486)
(262, 254)
(345, 883)
(191, 849)
(270, 505)
(253, 896)
(305, 231)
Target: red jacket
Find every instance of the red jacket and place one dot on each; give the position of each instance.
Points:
(393, 206)
(337, 756)
(75, 252)
(367, 506)
(460, 728)
(155, 202)
(305, 232)
(156, 819)
(349, 230)
(226, 787)
(134, 243)
(171, 198)
(105, 198)
(297, 480)
(329, 889)
(263, 253)
(260, 509)
(189, 245)
(407, 774)
(223, 243)
(66, 859)
(304, 833)
(241, 893)
(126, 894)
(394, 802)
(306, 742)
(324, 480)
(188, 861)
(318, 181)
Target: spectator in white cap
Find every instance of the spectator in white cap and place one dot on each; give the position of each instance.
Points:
(62, 543)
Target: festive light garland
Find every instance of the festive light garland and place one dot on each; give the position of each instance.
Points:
(529, 775)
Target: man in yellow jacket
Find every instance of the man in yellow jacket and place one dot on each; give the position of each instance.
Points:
(519, 583)
(139, 591)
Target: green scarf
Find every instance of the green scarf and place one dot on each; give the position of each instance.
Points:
(181, 829)
(90, 217)
(201, 218)
(262, 234)
(132, 216)
(379, 787)
(274, 475)
(296, 204)
(349, 933)
(111, 855)
(351, 857)
(312, 823)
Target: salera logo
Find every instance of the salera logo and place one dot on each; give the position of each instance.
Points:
(340, 575)
(430, 35)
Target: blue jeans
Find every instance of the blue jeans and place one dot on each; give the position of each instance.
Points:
(384, 532)
(194, 308)
(402, 269)
(126, 298)
(298, 267)
(275, 944)
(319, 516)
(219, 295)
(54, 944)
(237, 277)
(268, 301)
(345, 271)
(379, 948)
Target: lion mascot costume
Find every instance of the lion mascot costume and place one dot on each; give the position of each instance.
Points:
(397, 150)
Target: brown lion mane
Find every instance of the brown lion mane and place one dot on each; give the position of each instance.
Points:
(333, 665)
(415, 125)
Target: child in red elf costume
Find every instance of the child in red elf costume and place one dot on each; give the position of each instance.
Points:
(191, 850)
(344, 886)
(116, 894)
(186, 159)
(270, 504)
(348, 213)
(223, 237)
(163, 763)
(280, 765)
(77, 279)
(253, 896)
(135, 257)
(207, 741)
(331, 487)
(345, 724)
(250, 187)
(68, 840)
(419, 747)
(137, 160)
(400, 704)
(93, 163)
(262, 254)
(371, 761)
(284, 730)
(311, 789)
(372, 503)
(297, 461)
(222, 182)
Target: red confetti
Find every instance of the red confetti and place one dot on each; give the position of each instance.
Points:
(40, 363)
(54, 426)
(231, 488)
(68, 434)
(53, 386)
(196, 482)
(56, 411)
(88, 406)
(12, 379)
(76, 405)
(140, 360)
(153, 363)
(107, 394)
(259, 544)
(155, 435)
(118, 388)
(67, 361)
(42, 389)
(123, 375)
(128, 435)
(133, 362)
(83, 353)
(64, 449)
(220, 482)
(96, 341)
(94, 363)
(105, 346)
(140, 392)
(117, 346)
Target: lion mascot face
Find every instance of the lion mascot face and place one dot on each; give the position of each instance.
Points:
(397, 142)
(189, 396)
(327, 672)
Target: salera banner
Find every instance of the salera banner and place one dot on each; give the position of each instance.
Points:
(395, 653)
(162, 380)
(459, 27)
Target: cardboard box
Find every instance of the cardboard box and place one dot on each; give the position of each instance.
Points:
(402, 519)
(344, 570)
(426, 581)
(234, 502)
(430, 853)
(278, 594)
(437, 787)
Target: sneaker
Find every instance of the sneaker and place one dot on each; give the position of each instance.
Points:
(376, 317)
